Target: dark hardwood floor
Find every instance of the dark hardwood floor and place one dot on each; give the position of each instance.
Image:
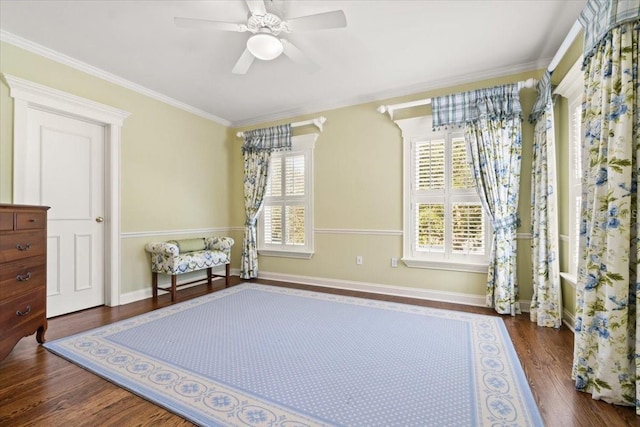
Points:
(39, 388)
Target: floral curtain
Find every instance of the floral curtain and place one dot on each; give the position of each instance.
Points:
(493, 131)
(546, 303)
(257, 148)
(607, 346)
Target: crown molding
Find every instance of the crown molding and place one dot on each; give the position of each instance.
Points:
(38, 49)
(287, 114)
(397, 92)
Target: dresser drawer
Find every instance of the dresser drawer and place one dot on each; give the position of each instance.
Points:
(31, 220)
(6, 221)
(21, 309)
(22, 276)
(25, 244)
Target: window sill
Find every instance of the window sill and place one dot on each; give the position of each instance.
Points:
(285, 254)
(447, 265)
(570, 278)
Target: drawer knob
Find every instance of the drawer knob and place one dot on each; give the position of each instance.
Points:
(23, 277)
(23, 248)
(24, 313)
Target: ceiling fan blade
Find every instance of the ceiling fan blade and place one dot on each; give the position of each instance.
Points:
(243, 64)
(298, 57)
(209, 25)
(257, 7)
(320, 21)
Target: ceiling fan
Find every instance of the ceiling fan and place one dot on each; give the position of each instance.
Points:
(265, 43)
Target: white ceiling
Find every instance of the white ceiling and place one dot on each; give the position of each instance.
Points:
(389, 48)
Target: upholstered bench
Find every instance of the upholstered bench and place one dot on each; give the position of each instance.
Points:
(176, 257)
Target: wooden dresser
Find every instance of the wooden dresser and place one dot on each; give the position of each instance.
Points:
(23, 274)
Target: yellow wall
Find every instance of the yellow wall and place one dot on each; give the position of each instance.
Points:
(174, 164)
(358, 182)
(181, 172)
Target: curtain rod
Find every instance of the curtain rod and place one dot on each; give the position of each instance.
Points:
(529, 83)
(317, 122)
(566, 43)
(562, 50)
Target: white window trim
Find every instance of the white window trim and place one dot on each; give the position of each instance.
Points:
(571, 87)
(302, 144)
(415, 129)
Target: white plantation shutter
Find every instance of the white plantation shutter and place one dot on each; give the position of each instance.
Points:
(430, 231)
(429, 164)
(468, 235)
(274, 183)
(575, 190)
(285, 225)
(468, 221)
(461, 172)
(273, 224)
(572, 88)
(294, 175)
(295, 225)
(447, 221)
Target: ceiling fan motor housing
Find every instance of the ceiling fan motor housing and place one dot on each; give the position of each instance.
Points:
(265, 42)
(269, 22)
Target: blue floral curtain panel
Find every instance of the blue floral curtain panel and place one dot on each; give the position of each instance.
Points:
(492, 120)
(546, 303)
(607, 344)
(257, 148)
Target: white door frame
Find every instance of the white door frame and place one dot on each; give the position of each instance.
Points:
(28, 95)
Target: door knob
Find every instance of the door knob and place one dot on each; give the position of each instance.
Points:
(99, 219)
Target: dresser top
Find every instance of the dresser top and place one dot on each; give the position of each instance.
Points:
(12, 206)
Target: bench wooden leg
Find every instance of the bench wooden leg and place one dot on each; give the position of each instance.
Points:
(228, 273)
(209, 276)
(174, 283)
(154, 284)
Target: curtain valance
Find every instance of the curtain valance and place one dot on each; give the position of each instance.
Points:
(599, 16)
(496, 103)
(544, 97)
(276, 138)
(256, 150)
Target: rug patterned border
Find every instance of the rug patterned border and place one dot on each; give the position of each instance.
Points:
(503, 394)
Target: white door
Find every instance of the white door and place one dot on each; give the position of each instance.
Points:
(65, 170)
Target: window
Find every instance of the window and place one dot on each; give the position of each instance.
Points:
(571, 88)
(285, 226)
(575, 182)
(445, 225)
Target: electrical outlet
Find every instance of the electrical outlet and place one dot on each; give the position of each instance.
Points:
(394, 262)
(359, 260)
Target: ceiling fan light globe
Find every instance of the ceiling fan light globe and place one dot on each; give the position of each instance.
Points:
(265, 46)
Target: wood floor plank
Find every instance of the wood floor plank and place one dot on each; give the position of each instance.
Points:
(38, 388)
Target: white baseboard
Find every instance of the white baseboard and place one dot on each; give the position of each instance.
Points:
(425, 294)
(569, 320)
(376, 288)
(134, 296)
(145, 293)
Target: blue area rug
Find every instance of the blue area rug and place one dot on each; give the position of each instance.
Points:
(267, 356)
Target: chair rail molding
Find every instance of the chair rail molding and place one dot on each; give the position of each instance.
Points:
(154, 233)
